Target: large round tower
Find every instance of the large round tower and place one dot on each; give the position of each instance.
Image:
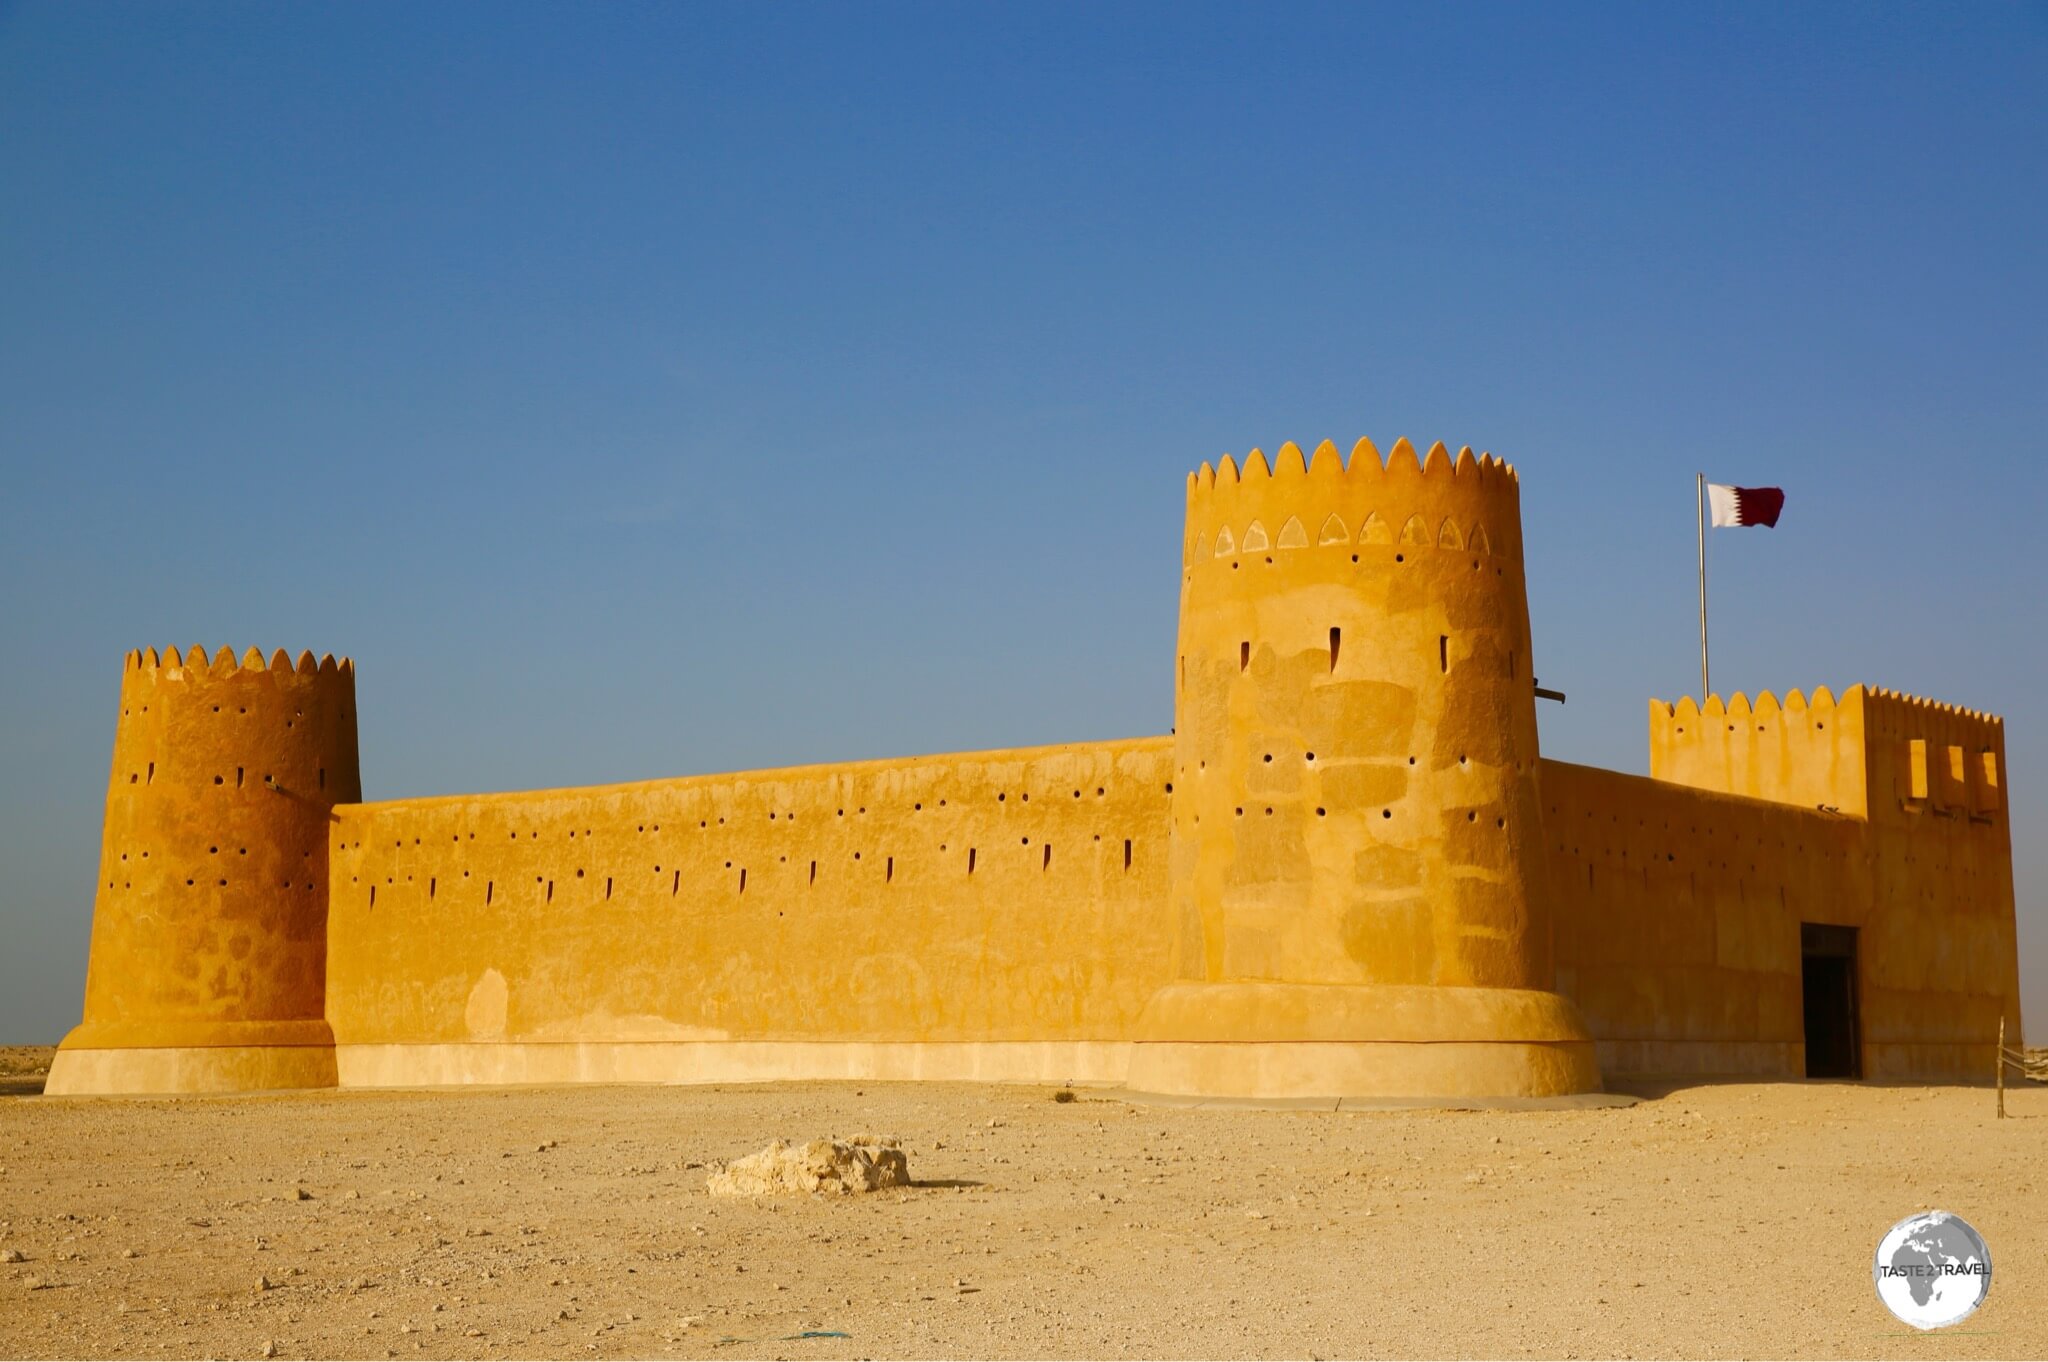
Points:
(1355, 863)
(209, 933)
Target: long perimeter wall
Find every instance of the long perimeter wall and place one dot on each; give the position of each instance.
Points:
(1003, 916)
(994, 915)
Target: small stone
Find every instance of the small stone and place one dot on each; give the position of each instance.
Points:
(270, 1347)
(304, 1195)
(129, 1253)
(863, 1164)
(12, 1255)
(37, 1284)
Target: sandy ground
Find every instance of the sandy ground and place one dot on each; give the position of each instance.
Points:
(1714, 1220)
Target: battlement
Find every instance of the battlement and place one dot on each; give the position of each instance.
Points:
(145, 663)
(1930, 757)
(1870, 753)
(1465, 502)
(1904, 704)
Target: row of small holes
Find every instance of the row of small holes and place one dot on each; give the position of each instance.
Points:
(676, 877)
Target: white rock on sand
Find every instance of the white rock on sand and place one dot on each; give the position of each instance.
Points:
(823, 1167)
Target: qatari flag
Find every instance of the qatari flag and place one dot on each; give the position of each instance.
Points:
(1745, 505)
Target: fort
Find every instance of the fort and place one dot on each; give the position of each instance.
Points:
(1347, 872)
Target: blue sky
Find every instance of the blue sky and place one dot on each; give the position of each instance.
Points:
(646, 390)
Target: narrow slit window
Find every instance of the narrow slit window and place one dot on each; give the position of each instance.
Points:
(743, 879)
(1987, 789)
(551, 891)
(1443, 652)
(888, 869)
(970, 860)
(238, 777)
(373, 894)
(1244, 656)
(1045, 857)
(432, 884)
(607, 886)
(490, 888)
(814, 872)
(1127, 853)
(675, 884)
(1336, 642)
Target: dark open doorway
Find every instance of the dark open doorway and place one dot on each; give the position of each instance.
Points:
(1827, 969)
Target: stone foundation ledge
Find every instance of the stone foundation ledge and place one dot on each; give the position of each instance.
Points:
(513, 1063)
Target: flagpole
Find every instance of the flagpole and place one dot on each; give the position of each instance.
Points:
(1705, 685)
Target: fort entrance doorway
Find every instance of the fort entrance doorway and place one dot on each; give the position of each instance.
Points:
(1827, 969)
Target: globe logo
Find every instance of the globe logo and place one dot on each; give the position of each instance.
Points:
(1932, 1270)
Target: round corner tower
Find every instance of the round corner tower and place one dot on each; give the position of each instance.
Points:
(1355, 866)
(209, 937)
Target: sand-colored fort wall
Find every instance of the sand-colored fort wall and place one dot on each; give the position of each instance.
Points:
(1943, 939)
(1678, 917)
(993, 915)
(1678, 909)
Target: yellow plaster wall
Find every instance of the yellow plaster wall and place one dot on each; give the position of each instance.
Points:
(1678, 908)
(1944, 944)
(1014, 898)
(1677, 917)
(1808, 753)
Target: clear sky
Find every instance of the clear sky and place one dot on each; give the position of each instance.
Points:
(640, 391)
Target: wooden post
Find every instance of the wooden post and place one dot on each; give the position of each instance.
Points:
(2001, 1068)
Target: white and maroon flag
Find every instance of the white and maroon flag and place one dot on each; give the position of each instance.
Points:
(1745, 505)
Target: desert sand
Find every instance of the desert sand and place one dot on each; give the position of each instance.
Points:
(1714, 1219)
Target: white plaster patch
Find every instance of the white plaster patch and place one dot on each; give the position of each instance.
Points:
(485, 1015)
